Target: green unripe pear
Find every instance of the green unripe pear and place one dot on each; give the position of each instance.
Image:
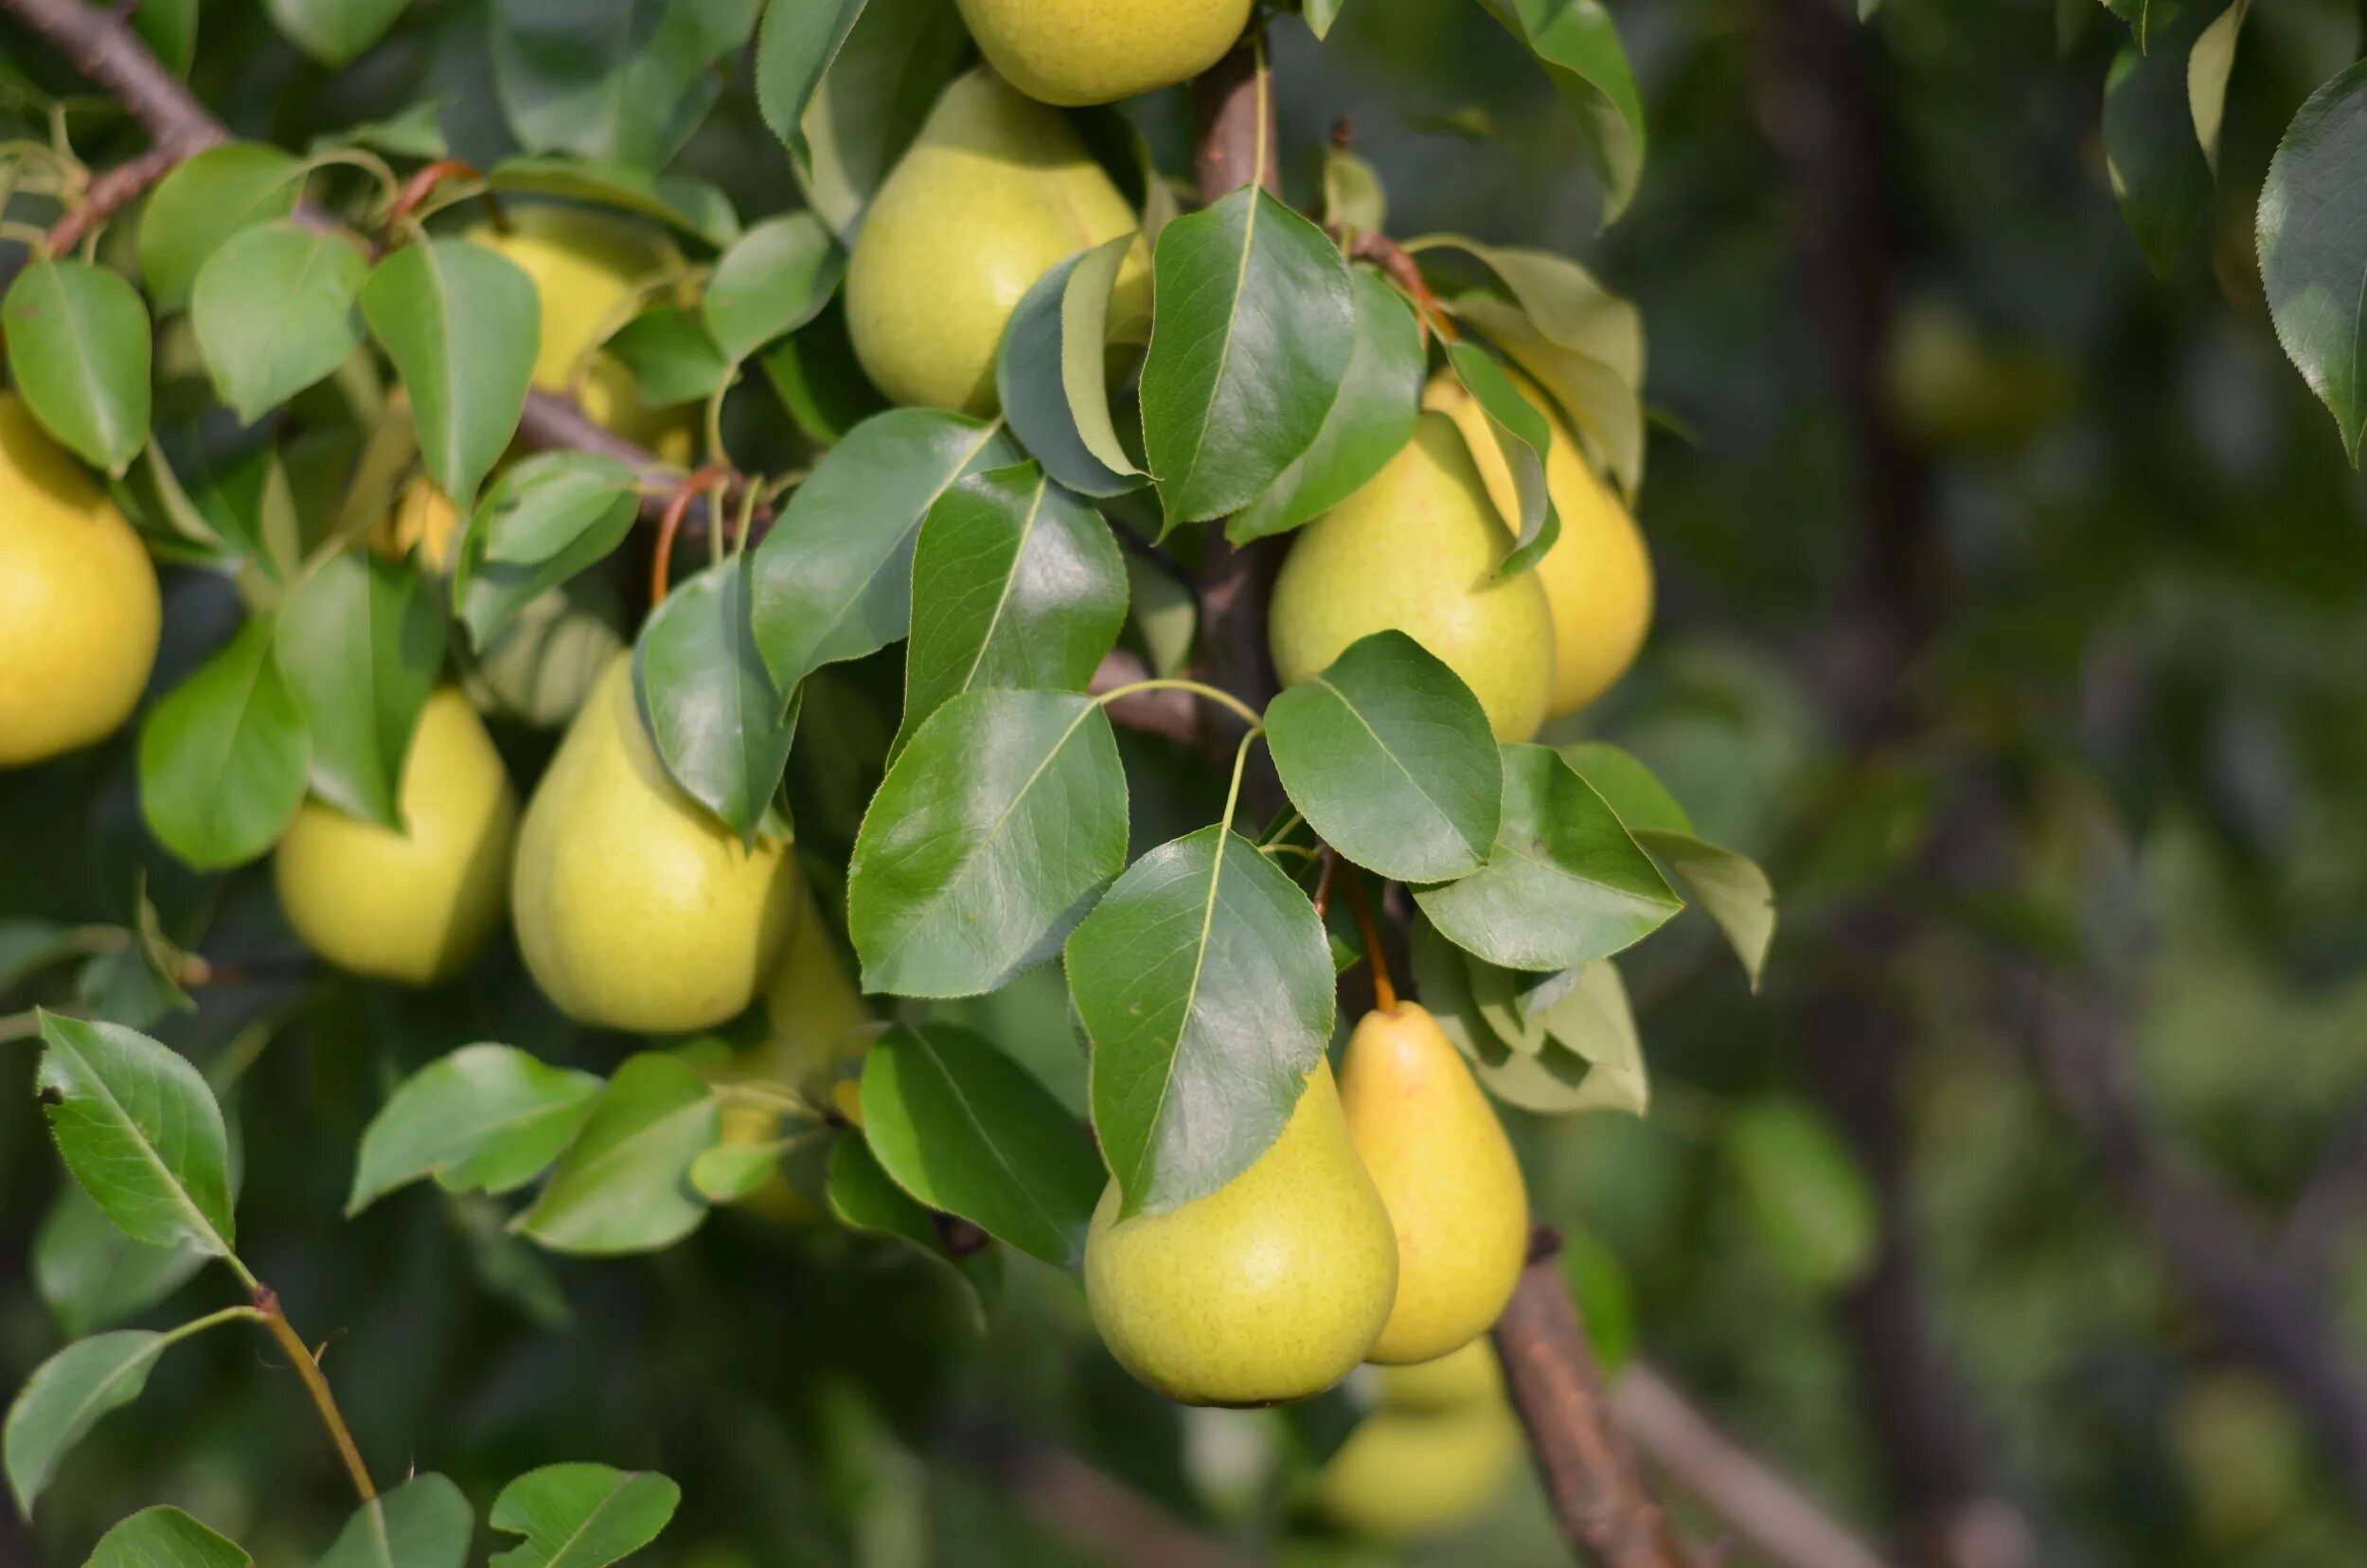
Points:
(635, 907)
(1446, 1173)
(1403, 1474)
(995, 191)
(417, 905)
(1270, 1289)
(79, 607)
(1097, 51)
(1417, 549)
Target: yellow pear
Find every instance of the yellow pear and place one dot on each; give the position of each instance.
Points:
(1095, 51)
(635, 908)
(1446, 1173)
(417, 905)
(1466, 1377)
(79, 607)
(1268, 1289)
(1417, 549)
(1404, 1473)
(1597, 577)
(995, 191)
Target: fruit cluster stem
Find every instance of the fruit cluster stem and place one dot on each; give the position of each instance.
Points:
(308, 1367)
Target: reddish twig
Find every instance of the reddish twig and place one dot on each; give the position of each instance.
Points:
(109, 193)
(1384, 994)
(422, 183)
(1401, 269)
(715, 476)
(1329, 868)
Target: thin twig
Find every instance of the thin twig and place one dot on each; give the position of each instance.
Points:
(309, 1368)
(109, 193)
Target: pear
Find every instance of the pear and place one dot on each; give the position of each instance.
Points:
(1402, 1474)
(1095, 51)
(636, 909)
(995, 191)
(1417, 549)
(1597, 577)
(1270, 1289)
(1448, 1175)
(1456, 1380)
(79, 606)
(417, 905)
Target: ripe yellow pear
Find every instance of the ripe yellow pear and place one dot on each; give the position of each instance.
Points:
(1458, 1378)
(1271, 1288)
(79, 607)
(1095, 51)
(1446, 1173)
(635, 909)
(417, 905)
(1405, 1473)
(995, 191)
(1417, 549)
(1597, 577)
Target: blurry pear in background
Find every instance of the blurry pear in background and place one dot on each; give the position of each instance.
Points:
(79, 606)
(1466, 1377)
(1417, 549)
(416, 905)
(1097, 51)
(1403, 1474)
(994, 191)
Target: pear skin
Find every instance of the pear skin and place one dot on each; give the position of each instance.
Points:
(1097, 51)
(1446, 1172)
(635, 909)
(1417, 549)
(415, 906)
(1403, 1474)
(79, 608)
(1455, 1380)
(1270, 1289)
(1597, 577)
(994, 192)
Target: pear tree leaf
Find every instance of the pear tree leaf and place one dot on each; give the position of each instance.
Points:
(1204, 981)
(275, 312)
(848, 115)
(544, 520)
(1565, 883)
(165, 1537)
(719, 724)
(1641, 800)
(2312, 229)
(1578, 46)
(670, 357)
(462, 325)
(1050, 374)
(774, 279)
(486, 1118)
(140, 1131)
(1390, 759)
(1166, 615)
(424, 1522)
(1354, 200)
(2160, 171)
(731, 1171)
(1255, 331)
(416, 131)
(2207, 70)
(1523, 436)
(815, 375)
(834, 578)
(333, 31)
(581, 1516)
(224, 755)
(90, 1274)
(966, 1130)
(64, 1399)
(1321, 14)
(77, 340)
(993, 834)
(1590, 1058)
(203, 203)
(1804, 1192)
(169, 27)
(1016, 583)
(624, 1184)
(795, 46)
(1562, 302)
(864, 1198)
(692, 206)
(360, 642)
(623, 82)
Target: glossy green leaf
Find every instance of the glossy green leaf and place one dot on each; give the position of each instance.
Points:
(484, 1118)
(360, 643)
(140, 1131)
(966, 1130)
(224, 756)
(64, 1399)
(1523, 437)
(1050, 378)
(203, 203)
(993, 834)
(334, 31)
(690, 204)
(2159, 169)
(864, 1198)
(581, 1516)
(625, 81)
(2207, 70)
(1016, 583)
(881, 80)
(77, 340)
(90, 1274)
(670, 357)
(1804, 1192)
(795, 46)
(1565, 883)
(1579, 48)
(1205, 983)
(544, 520)
(624, 1184)
(1564, 303)
(2313, 248)
(1642, 801)
(720, 725)
(462, 325)
(165, 1537)
(275, 312)
(424, 1522)
(820, 385)
(1255, 331)
(775, 279)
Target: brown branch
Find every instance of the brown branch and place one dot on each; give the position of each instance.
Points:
(107, 194)
(1402, 270)
(1103, 1516)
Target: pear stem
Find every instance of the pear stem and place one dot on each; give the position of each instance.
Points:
(308, 1367)
(1384, 993)
(677, 504)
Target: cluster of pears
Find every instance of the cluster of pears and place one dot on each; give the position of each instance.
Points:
(1387, 1223)
(1438, 1447)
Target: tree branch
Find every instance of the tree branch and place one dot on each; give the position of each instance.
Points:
(1081, 1504)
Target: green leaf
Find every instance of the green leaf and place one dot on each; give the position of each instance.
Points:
(2313, 248)
(1353, 197)
(625, 81)
(140, 1131)
(1390, 759)
(1205, 985)
(1523, 437)
(334, 31)
(1603, 1069)
(224, 756)
(2207, 70)
(1166, 615)
(360, 642)
(1562, 302)
(64, 1399)
(864, 1199)
(1730, 888)
(1593, 1024)
(1253, 336)
(691, 205)
(822, 387)
(670, 357)
(623, 1185)
(1804, 1192)
(729, 1172)
(834, 578)
(581, 1516)
(1579, 48)
(722, 727)
(1016, 583)
(794, 48)
(91, 1275)
(275, 312)
(165, 1537)
(1642, 801)
(965, 1128)
(1369, 422)
(203, 203)
(462, 325)
(993, 832)
(1600, 406)
(424, 1522)
(77, 341)
(484, 1118)
(1565, 883)
(846, 131)
(416, 131)
(1321, 14)
(1051, 376)
(775, 279)
(169, 27)
(2159, 169)
(544, 520)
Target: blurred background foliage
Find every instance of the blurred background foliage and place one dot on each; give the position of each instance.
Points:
(2014, 614)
